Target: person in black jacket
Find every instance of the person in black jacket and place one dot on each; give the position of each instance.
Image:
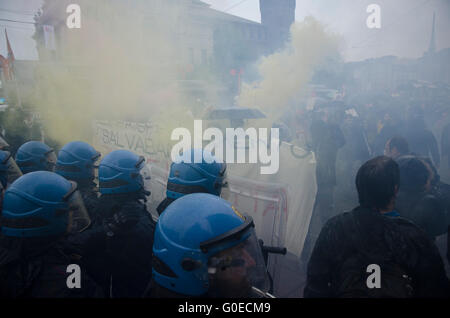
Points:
(118, 251)
(326, 139)
(421, 141)
(390, 128)
(396, 147)
(416, 200)
(374, 234)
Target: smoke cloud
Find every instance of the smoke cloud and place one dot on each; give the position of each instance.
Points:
(285, 74)
(118, 66)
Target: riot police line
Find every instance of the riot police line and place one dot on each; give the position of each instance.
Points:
(55, 215)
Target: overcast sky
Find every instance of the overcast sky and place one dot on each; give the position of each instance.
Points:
(405, 28)
(405, 31)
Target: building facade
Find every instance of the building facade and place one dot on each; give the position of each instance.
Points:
(203, 41)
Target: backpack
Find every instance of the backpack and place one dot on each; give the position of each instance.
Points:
(352, 278)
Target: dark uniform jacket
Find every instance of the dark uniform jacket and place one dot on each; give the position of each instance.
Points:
(37, 268)
(90, 199)
(117, 248)
(374, 239)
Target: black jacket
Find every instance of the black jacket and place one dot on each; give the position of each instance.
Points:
(423, 142)
(326, 140)
(90, 199)
(385, 239)
(37, 268)
(424, 210)
(118, 246)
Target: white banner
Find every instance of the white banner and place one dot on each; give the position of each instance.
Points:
(280, 204)
(136, 137)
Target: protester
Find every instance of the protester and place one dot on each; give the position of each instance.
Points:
(373, 233)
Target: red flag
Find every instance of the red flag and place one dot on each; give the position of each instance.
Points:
(11, 58)
(4, 63)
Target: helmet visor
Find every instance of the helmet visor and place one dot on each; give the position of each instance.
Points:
(234, 271)
(78, 216)
(13, 170)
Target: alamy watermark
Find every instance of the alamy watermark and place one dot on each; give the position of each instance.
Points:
(74, 279)
(374, 19)
(74, 19)
(374, 279)
(257, 149)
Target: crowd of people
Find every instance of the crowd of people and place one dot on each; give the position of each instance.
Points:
(73, 208)
(345, 136)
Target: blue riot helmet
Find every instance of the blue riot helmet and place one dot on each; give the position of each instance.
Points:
(76, 161)
(35, 156)
(43, 204)
(186, 176)
(9, 171)
(120, 172)
(204, 246)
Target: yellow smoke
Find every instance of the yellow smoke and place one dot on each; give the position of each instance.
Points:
(120, 65)
(286, 73)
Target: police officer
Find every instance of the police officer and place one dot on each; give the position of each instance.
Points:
(35, 156)
(39, 209)
(76, 162)
(120, 245)
(204, 247)
(9, 171)
(186, 177)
